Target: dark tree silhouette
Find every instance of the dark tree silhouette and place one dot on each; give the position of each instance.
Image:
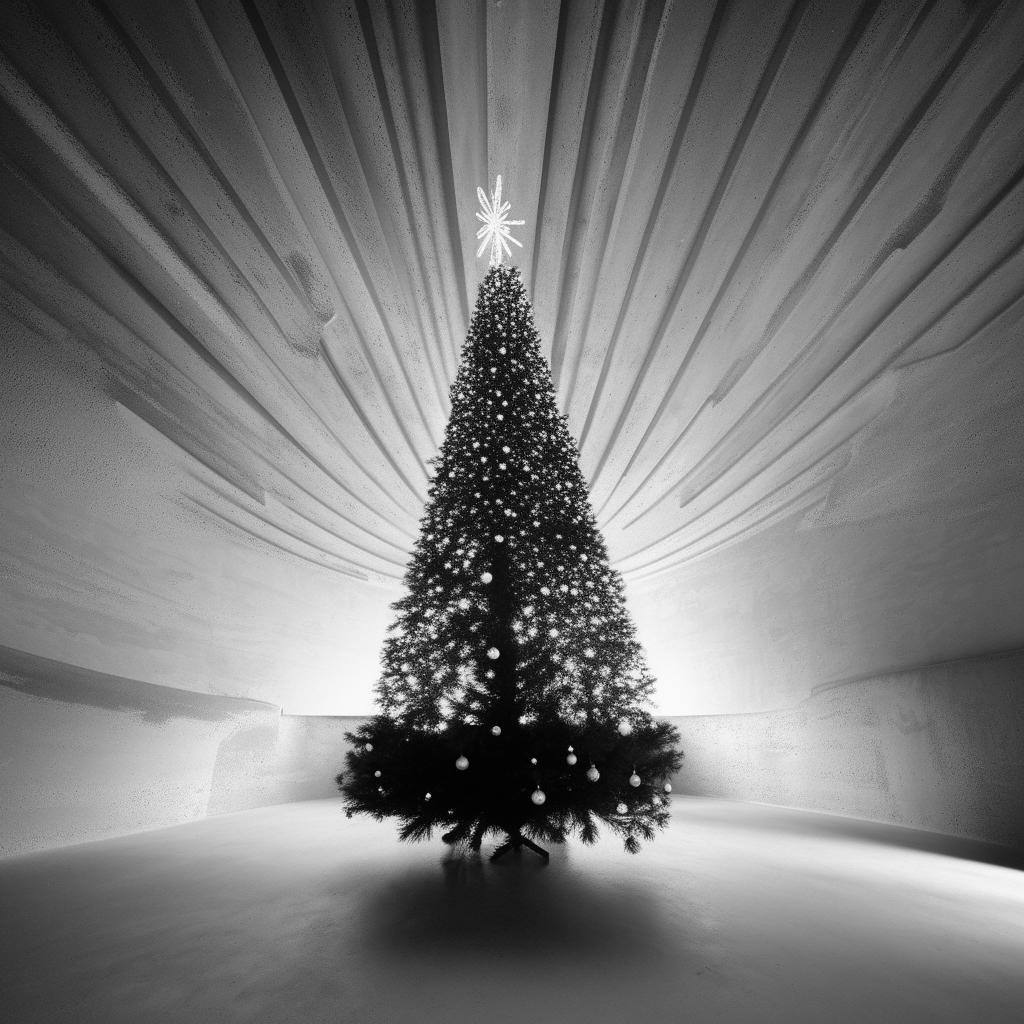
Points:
(514, 694)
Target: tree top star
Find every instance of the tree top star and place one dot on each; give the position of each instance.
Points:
(495, 231)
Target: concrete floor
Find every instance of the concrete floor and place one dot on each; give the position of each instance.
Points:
(293, 913)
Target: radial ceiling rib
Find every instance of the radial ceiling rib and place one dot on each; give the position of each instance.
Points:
(860, 200)
(618, 330)
(695, 245)
(252, 223)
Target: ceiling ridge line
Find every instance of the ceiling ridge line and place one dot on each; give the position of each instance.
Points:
(629, 98)
(439, 283)
(388, 118)
(55, 135)
(630, 161)
(177, 330)
(682, 126)
(341, 570)
(773, 516)
(388, 454)
(786, 373)
(264, 518)
(596, 83)
(286, 503)
(767, 78)
(439, 111)
(183, 124)
(991, 110)
(889, 369)
(985, 326)
(853, 38)
(868, 185)
(325, 180)
(408, 273)
(334, 511)
(552, 111)
(793, 477)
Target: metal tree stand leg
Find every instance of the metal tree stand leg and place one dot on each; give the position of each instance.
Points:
(514, 842)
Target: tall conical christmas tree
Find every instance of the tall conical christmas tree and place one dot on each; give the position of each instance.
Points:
(514, 695)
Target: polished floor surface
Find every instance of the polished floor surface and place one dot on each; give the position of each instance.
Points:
(293, 913)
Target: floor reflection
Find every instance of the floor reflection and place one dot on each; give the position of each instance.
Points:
(293, 913)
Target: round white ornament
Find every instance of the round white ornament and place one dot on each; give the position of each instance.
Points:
(486, 577)
(625, 728)
(368, 748)
(634, 780)
(462, 763)
(593, 774)
(493, 653)
(376, 774)
(495, 730)
(621, 808)
(538, 797)
(571, 759)
(668, 787)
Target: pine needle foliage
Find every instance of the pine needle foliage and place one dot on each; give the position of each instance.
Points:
(512, 648)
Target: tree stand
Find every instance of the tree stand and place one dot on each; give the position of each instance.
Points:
(514, 842)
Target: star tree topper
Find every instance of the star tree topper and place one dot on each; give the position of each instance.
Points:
(495, 231)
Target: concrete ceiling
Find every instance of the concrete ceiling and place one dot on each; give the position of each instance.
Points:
(743, 220)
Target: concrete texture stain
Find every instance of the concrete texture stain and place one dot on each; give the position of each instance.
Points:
(69, 684)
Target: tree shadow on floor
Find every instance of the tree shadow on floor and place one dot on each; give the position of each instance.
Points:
(520, 906)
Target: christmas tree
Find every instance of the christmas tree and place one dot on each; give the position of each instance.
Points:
(514, 695)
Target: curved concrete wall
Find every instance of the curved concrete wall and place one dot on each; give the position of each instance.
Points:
(86, 755)
(937, 748)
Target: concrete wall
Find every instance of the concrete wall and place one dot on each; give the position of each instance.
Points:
(88, 756)
(938, 747)
(85, 755)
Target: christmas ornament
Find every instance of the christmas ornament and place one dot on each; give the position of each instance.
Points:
(593, 774)
(668, 787)
(376, 774)
(634, 780)
(427, 797)
(495, 730)
(486, 577)
(368, 748)
(621, 808)
(538, 796)
(493, 653)
(571, 759)
(462, 762)
(656, 801)
(625, 728)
